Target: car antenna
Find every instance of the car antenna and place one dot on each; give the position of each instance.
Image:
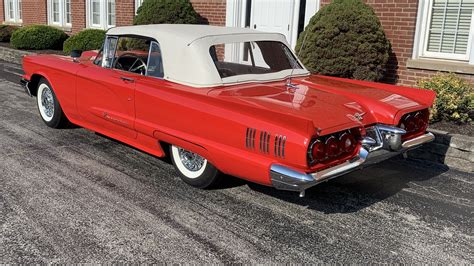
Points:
(289, 83)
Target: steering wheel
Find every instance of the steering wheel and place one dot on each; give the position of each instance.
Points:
(138, 66)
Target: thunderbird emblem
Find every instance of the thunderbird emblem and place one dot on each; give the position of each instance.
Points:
(359, 116)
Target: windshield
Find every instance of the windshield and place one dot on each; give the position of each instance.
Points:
(258, 57)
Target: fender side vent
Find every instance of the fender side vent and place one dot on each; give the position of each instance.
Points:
(279, 147)
(250, 138)
(264, 142)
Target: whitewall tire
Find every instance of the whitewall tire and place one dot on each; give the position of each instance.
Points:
(48, 105)
(193, 168)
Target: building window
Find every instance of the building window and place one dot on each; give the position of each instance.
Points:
(59, 13)
(138, 3)
(13, 12)
(446, 29)
(101, 14)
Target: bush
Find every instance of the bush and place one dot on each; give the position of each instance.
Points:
(166, 12)
(345, 39)
(38, 37)
(6, 32)
(85, 40)
(454, 98)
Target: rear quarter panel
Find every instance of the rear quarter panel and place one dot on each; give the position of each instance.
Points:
(179, 114)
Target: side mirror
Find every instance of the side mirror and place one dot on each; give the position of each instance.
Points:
(75, 54)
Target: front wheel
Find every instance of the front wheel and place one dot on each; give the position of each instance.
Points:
(194, 169)
(48, 106)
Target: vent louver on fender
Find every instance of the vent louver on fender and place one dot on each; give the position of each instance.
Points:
(279, 146)
(250, 138)
(264, 142)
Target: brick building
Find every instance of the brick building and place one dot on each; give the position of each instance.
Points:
(426, 35)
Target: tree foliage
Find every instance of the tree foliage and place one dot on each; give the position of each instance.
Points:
(38, 37)
(89, 39)
(166, 12)
(345, 39)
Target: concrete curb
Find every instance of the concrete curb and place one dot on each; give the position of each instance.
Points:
(453, 150)
(12, 55)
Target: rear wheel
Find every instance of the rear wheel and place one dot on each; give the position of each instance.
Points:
(194, 169)
(48, 106)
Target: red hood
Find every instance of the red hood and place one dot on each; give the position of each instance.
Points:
(331, 105)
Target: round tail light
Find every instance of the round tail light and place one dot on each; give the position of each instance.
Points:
(347, 143)
(410, 123)
(420, 121)
(332, 146)
(318, 151)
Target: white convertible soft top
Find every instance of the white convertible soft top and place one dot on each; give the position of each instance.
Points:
(185, 51)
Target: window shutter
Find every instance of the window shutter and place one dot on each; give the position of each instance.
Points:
(450, 26)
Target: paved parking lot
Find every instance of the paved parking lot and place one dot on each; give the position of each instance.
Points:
(74, 196)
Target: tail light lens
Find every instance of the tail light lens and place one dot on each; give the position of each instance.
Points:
(414, 123)
(347, 142)
(318, 151)
(334, 146)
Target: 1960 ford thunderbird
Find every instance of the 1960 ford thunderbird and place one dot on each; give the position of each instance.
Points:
(227, 100)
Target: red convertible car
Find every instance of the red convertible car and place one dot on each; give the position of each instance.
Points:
(227, 100)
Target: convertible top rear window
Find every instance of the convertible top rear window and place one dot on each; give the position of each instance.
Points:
(258, 57)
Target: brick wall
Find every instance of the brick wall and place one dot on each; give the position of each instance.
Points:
(2, 10)
(34, 12)
(398, 18)
(211, 11)
(78, 15)
(125, 11)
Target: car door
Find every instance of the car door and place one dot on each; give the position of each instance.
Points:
(106, 90)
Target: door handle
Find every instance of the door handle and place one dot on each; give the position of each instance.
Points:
(127, 79)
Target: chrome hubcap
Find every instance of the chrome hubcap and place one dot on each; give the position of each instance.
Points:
(48, 102)
(192, 161)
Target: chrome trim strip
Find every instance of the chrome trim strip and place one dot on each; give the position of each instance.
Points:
(288, 179)
(391, 129)
(428, 137)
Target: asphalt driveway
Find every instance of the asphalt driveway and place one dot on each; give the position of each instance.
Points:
(74, 196)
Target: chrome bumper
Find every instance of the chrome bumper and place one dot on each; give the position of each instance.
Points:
(285, 178)
(24, 82)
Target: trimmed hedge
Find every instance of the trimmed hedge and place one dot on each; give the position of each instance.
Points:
(454, 98)
(6, 32)
(166, 12)
(38, 37)
(345, 39)
(90, 39)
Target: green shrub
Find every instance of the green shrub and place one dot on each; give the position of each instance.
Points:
(85, 40)
(345, 39)
(454, 98)
(6, 32)
(166, 12)
(38, 37)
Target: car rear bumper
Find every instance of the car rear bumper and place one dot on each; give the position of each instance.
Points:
(285, 178)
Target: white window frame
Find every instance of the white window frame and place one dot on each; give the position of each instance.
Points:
(104, 15)
(138, 3)
(17, 11)
(422, 35)
(62, 14)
